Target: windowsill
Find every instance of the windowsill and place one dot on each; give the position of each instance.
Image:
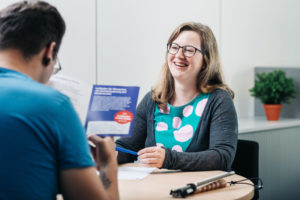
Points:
(254, 124)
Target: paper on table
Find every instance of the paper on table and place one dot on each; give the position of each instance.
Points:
(134, 173)
(79, 92)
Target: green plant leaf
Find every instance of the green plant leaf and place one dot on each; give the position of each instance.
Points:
(273, 87)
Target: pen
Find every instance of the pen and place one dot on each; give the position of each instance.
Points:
(117, 149)
(91, 144)
(126, 151)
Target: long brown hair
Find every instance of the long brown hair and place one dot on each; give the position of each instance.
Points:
(210, 76)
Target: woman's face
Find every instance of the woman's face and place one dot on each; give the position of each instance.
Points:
(185, 69)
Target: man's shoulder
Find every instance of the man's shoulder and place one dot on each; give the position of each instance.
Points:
(45, 93)
(37, 94)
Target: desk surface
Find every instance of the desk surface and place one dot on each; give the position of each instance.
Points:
(158, 185)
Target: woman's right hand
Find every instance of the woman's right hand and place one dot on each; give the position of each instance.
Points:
(152, 156)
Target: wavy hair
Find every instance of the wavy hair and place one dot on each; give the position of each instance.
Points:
(210, 76)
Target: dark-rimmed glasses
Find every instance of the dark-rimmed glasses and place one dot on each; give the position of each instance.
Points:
(57, 67)
(188, 51)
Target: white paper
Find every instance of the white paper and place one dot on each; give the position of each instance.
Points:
(78, 92)
(134, 173)
(107, 127)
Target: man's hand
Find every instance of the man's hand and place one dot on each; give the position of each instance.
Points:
(103, 152)
(152, 156)
(83, 183)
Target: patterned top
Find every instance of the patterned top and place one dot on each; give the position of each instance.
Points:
(213, 145)
(175, 127)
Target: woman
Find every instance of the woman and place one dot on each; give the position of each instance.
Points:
(188, 120)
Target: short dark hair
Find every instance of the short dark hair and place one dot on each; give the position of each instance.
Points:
(30, 26)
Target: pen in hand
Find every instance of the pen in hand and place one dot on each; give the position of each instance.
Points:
(117, 149)
(126, 151)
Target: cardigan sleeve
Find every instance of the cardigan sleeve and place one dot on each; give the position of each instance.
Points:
(221, 127)
(139, 133)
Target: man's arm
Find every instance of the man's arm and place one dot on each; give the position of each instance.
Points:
(85, 184)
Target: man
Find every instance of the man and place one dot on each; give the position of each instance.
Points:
(43, 146)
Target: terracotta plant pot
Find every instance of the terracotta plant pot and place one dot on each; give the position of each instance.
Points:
(272, 111)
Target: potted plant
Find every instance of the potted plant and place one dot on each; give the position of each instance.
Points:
(273, 89)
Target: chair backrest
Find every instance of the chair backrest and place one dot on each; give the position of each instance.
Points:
(246, 161)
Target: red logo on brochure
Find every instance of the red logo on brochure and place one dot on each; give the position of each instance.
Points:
(123, 117)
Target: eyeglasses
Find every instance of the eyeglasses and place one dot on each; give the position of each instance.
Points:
(188, 51)
(57, 66)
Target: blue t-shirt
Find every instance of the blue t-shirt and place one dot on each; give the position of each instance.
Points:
(40, 135)
(175, 127)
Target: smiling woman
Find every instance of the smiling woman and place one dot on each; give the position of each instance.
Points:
(188, 120)
(185, 64)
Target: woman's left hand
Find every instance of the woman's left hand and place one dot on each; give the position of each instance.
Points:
(152, 156)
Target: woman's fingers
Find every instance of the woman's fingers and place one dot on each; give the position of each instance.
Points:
(152, 156)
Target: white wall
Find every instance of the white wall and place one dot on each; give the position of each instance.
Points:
(257, 33)
(123, 42)
(133, 36)
(77, 53)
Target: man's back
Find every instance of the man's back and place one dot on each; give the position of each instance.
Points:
(40, 134)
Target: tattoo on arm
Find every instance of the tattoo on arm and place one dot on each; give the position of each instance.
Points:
(106, 182)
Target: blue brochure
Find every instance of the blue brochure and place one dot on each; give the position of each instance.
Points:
(111, 110)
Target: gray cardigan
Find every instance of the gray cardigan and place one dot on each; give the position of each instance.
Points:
(213, 146)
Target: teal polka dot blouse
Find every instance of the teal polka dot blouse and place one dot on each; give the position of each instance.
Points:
(175, 127)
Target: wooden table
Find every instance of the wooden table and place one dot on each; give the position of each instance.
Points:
(159, 184)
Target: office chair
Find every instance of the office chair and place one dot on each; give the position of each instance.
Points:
(246, 162)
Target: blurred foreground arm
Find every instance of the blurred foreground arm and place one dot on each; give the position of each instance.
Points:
(85, 184)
